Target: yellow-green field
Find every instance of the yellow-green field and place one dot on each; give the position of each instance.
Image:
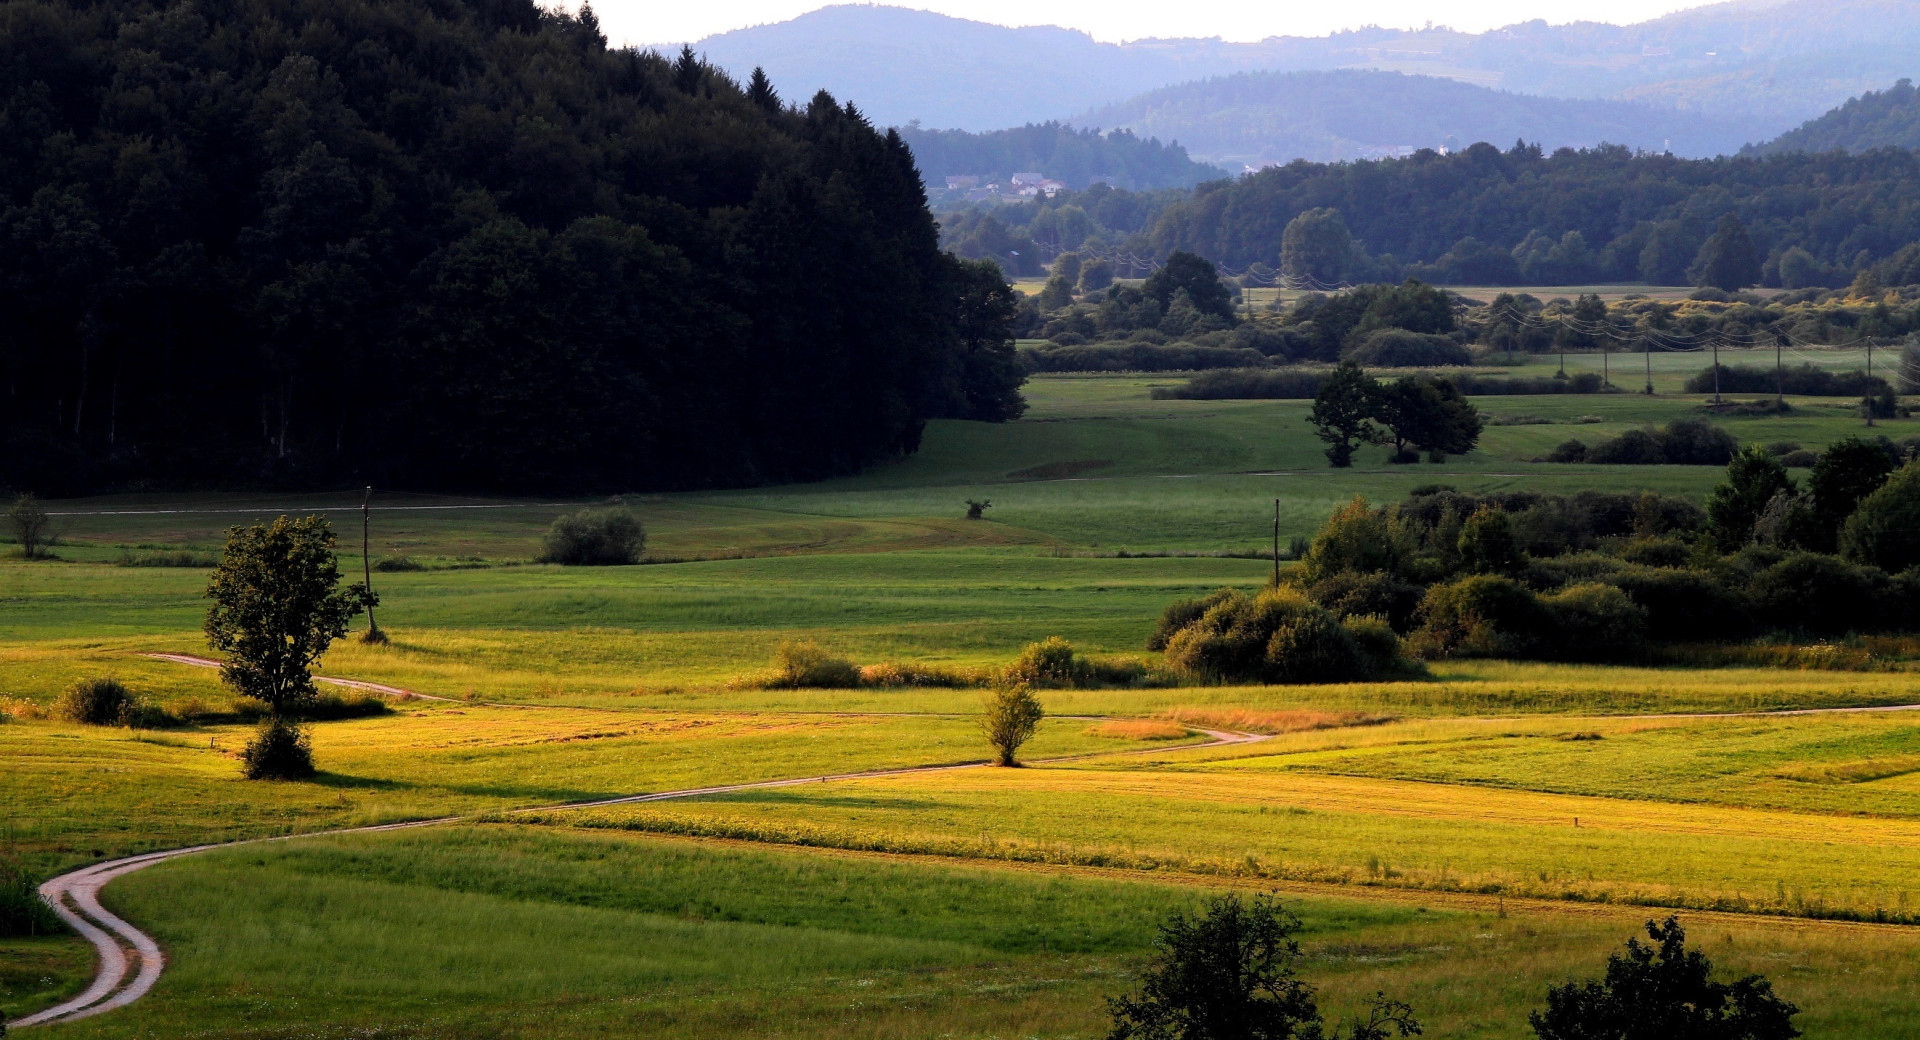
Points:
(1463, 841)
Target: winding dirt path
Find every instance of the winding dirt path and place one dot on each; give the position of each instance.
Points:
(130, 961)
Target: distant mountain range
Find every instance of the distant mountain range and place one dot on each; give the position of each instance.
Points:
(1879, 119)
(1779, 62)
(1256, 118)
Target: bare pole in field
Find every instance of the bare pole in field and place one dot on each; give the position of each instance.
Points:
(1276, 543)
(366, 559)
(1779, 372)
(1716, 371)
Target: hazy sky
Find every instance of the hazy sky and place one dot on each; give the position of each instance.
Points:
(658, 21)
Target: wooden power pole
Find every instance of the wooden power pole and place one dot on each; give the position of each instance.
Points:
(366, 563)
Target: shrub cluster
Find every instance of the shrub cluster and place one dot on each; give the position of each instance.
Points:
(802, 664)
(1137, 357)
(1683, 442)
(1803, 380)
(1277, 636)
(1298, 384)
(1049, 663)
(594, 537)
(1590, 577)
(1401, 348)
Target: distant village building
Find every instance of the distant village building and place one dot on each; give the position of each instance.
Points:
(1050, 187)
(964, 182)
(1021, 180)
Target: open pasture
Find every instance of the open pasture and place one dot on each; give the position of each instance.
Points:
(552, 932)
(1403, 819)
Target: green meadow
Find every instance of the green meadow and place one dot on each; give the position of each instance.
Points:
(1462, 841)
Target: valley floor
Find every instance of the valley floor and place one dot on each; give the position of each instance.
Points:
(1461, 842)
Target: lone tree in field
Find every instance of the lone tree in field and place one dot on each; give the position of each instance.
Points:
(277, 606)
(1664, 992)
(30, 525)
(1013, 713)
(1228, 974)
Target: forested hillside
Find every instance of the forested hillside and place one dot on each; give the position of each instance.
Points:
(1075, 157)
(1265, 117)
(1643, 217)
(1487, 216)
(453, 244)
(1877, 119)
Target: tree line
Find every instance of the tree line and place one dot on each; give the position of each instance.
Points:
(1491, 216)
(465, 246)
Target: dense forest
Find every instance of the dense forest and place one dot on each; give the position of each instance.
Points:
(454, 243)
(1074, 157)
(1487, 216)
(1877, 119)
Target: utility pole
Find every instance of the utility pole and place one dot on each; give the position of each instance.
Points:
(366, 563)
(1866, 399)
(1276, 543)
(1779, 373)
(1716, 371)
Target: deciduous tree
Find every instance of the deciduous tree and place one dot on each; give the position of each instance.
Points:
(1753, 478)
(277, 607)
(1343, 413)
(1230, 972)
(1664, 991)
(1012, 714)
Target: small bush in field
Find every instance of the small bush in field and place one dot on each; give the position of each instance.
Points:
(594, 538)
(95, 702)
(804, 664)
(895, 674)
(358, 704)
(1050, 662)
(278, 751)
(1012, 715)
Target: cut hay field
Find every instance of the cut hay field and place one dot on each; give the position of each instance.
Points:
(1425, 831)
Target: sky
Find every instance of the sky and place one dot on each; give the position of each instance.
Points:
(656, 21)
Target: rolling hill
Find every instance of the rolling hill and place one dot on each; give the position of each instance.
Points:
(1259, 118)
(1878, 119)
(1781, 61)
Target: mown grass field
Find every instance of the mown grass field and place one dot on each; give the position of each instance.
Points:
(1424, 830)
